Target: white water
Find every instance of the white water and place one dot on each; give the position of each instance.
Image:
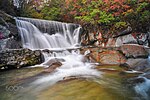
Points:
(143, 88)
(57, 36)
(16, 3)
(74, 65)
(54, 35)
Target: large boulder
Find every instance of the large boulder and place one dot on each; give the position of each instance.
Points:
(10, 59)
(134, 51)
(127, 39)
(105, 56)
(141, 65)
(138, 64)
(111, 57)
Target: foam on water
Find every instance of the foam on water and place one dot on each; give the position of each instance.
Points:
(60, 37)
(73, 65)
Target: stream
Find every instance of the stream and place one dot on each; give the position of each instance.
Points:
(76, 79)
(34, 84)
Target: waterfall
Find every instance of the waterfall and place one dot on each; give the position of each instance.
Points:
(49, 35)
(16, 3)
(43, 34)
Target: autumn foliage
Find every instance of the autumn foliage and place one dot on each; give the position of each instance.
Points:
(106, 15)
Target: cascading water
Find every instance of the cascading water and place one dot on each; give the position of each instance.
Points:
(42, 34)
(18, 2)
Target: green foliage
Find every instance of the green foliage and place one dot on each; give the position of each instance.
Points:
(91, 13)
(105, 18)
(141, 6)
(120, 25)
(50, 13)
(110, 14)
(145, 17)
(138, 15)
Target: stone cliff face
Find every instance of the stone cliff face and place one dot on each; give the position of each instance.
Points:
(9, 37)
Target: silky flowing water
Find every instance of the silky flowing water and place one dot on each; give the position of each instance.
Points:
(76, 79)
(109, 85)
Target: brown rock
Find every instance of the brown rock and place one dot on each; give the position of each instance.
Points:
(111, 42)
(52, 61)
(52, 67)
(134, 51)
(109, 57)
(65, 79)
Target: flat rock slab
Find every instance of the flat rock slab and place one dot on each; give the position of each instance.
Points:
(134, 51)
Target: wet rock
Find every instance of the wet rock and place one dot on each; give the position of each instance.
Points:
(109, 57)
(52, 61)
(69, 78)
(10, 59)
(138, 64)
(147, 75)
(53, 66)
(134, 51)
(136, 80)
(125, 66)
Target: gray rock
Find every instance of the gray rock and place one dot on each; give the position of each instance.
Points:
(134, 51)
(10, 59)
(139, 64)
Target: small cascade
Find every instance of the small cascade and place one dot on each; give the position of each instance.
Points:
(73, 65)
(59, 41)
(17, 3)
(42, 34)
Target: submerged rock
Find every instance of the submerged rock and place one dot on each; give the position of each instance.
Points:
(10, 59)
(136, 80)
(53, 66)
